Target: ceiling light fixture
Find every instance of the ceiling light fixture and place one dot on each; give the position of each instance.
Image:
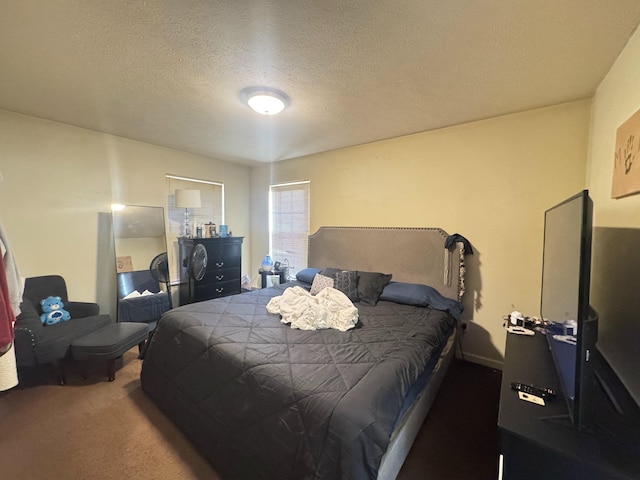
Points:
(265, 100)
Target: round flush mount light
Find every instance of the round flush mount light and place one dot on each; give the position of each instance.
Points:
(265, 100)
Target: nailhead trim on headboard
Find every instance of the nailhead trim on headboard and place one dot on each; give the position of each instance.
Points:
(411, 254)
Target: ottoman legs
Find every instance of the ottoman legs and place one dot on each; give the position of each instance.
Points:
(111, 369)
(109, 344)
(59, 369)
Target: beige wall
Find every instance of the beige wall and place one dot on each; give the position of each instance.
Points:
(60, 181)
(617, 98)
(489, 181)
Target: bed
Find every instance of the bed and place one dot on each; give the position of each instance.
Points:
(261, 400)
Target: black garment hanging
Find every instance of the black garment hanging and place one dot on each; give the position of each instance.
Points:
(451, 240)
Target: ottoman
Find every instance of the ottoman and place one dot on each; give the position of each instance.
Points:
(109, 343)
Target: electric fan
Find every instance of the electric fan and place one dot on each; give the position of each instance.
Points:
(197, 263)
(159, 269)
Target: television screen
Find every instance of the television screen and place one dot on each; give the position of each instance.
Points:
(615, 295)
(564, 303)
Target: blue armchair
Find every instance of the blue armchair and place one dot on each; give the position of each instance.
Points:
(38, 344)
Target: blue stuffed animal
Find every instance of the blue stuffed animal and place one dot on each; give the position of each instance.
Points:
(53, 311)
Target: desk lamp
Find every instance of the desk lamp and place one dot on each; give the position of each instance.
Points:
(188, 199)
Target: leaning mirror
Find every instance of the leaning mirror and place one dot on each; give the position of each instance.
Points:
(142, 268)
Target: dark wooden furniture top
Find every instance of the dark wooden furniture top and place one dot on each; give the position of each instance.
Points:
(539, 442)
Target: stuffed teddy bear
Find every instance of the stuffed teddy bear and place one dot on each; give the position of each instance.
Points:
(53, 311)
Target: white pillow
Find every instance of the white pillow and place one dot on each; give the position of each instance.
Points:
(133, 294)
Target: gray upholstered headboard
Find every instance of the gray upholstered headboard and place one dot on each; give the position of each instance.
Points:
(413, 255)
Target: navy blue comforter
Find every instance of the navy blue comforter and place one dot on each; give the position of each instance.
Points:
(263, 401)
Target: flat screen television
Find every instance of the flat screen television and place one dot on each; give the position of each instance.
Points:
(570, 323)
(615, 295)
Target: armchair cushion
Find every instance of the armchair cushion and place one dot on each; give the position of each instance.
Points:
(82, 309)
(55, 343)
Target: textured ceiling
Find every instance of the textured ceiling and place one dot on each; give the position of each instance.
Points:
(170, 72)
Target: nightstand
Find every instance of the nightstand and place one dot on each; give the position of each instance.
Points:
(264, 274)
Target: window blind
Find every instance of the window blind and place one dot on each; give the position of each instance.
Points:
(289, 224)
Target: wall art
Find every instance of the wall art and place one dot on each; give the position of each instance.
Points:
(626, 166)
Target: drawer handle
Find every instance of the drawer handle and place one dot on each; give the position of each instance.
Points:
(219, 264)
(219, 277)
(220, 290)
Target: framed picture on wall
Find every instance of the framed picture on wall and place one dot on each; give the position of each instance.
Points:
(124, 264)
(626, 166)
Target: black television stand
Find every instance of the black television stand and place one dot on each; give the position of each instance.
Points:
(534, 445)
(562, 420)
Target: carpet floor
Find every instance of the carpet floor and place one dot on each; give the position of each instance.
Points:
(100, 430)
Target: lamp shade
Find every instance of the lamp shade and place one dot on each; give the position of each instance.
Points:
(188, 199)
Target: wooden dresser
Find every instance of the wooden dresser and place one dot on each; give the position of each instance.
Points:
(222, 275)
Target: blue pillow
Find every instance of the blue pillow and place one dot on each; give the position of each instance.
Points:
(421, 296)
(306, 275)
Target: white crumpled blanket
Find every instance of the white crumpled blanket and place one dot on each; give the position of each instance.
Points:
(330, 308)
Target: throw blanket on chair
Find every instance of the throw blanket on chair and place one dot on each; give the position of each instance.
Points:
(330, 308)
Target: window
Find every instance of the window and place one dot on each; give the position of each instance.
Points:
(211, 211)
(289, 224)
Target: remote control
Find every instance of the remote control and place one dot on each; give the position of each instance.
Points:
(547, 393)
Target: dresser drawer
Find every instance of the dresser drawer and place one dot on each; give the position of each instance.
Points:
(224, 250)
(208, 291)
(221, 275)
(223, 263)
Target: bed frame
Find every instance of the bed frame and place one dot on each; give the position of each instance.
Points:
(413, 255)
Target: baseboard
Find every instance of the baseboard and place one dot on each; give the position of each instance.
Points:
(480, 360)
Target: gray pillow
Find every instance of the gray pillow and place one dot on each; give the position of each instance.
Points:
(347, 282)
(370, 286)
(330, 272)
